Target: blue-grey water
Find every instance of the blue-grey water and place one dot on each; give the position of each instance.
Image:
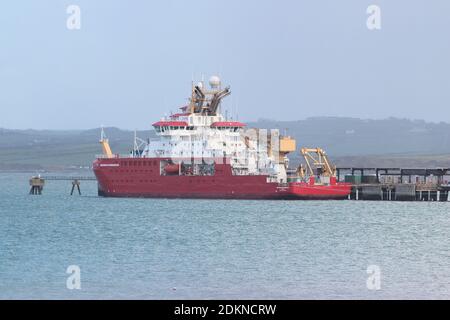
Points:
(203, 249)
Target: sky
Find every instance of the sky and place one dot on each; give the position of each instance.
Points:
(132, 62)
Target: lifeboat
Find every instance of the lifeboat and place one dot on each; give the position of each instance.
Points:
(172, 168)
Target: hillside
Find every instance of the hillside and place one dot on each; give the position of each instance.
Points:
(46, 149)
(348, 141)
(351, 136)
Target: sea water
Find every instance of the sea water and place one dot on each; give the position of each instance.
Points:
(217, 249)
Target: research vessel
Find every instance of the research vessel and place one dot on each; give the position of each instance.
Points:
(200, 153)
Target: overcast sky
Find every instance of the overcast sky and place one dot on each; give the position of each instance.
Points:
(131, 62)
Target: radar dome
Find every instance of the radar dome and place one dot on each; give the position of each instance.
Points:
(214, 82)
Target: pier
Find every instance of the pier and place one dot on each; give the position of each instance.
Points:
(37, 182)
(397, 184)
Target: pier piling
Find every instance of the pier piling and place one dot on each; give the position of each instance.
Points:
(75, 183)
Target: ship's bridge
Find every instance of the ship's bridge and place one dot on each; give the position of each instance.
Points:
(178, 125)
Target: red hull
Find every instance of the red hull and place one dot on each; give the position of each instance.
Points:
(141, 177)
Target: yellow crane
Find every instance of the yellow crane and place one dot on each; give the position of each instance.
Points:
(105, 145)
(317, 158)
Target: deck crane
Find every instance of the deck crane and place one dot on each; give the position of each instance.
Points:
(316, 158)
(105, 145)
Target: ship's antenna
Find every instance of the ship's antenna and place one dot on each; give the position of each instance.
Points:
(102, 133)
(236, 108)
(135, 144)
(233, 105)
(220, 74)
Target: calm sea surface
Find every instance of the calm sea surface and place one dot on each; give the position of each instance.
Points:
(183, 249)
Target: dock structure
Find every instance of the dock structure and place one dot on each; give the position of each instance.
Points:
(37, 182)
(69, 178)
(397, 184)
(37, 185)
(75, 183)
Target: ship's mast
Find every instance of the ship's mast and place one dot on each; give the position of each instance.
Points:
(207, 102)
(138, 145)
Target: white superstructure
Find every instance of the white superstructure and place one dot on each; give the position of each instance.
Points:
(201, 133)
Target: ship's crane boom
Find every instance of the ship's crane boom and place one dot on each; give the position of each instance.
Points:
(105, 145)
(199, 98)
(207, 101)
(217, 97)
(317, 158)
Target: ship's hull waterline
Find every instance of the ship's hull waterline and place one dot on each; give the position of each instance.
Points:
(143, 178)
